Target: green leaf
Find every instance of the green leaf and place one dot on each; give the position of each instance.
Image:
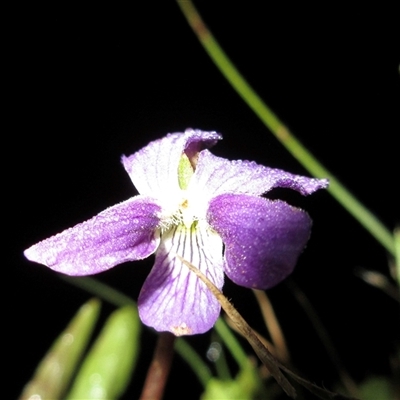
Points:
(107, 369)
(376, 388)
(54, 372)
(244, 387)
(397, 253)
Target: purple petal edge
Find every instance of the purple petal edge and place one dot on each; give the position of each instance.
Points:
(215, 175)
(154, 169)
(263, 238)
(124, 232)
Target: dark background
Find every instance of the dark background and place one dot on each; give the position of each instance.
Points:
(90, 85)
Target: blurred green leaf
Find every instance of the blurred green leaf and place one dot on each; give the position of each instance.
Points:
(397, 254)
(244, 387)
(54, 372)
(375, 388)
(195, 362)
(107, 369)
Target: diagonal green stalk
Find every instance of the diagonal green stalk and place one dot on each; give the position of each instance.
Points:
(196, 363)
(232, 343)
(101, 290)
(365, 217)
(221, 363)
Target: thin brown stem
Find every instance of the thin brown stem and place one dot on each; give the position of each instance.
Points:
(262, 352)
(273, 326)
(273, 365)
(157, 375)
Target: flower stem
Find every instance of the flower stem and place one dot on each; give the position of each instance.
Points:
(197, 364)
(232, 343)
(160, 366)
(272, 324)
(281, 132)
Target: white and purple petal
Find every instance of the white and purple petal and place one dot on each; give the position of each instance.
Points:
(220, 205)
(154, 169)
(127, 231)
(215, 175)
(173, 298)
(263, 238)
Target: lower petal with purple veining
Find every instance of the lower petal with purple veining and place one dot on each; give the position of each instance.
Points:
(127, 231)
(263, 238)
(173, 298)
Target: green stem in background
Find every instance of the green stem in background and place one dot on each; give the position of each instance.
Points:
(397, 257)
(197, 364)
(101, 290)
(232, 343)
(221, 364)
(271, 121)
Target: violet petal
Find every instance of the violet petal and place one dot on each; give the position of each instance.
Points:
(263, 238)
(172, 297)
(215, 175)
(154, 169)
(125, 232)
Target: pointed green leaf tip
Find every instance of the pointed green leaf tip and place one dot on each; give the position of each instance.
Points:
(54, 372)
(107, 369)
(185, 172)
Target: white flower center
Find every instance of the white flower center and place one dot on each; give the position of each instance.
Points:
(186, 213)
(181, 210)
(184, 207)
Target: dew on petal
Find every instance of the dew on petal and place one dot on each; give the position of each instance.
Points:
(204, 208)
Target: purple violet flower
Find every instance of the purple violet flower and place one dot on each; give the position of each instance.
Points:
(206, 209)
